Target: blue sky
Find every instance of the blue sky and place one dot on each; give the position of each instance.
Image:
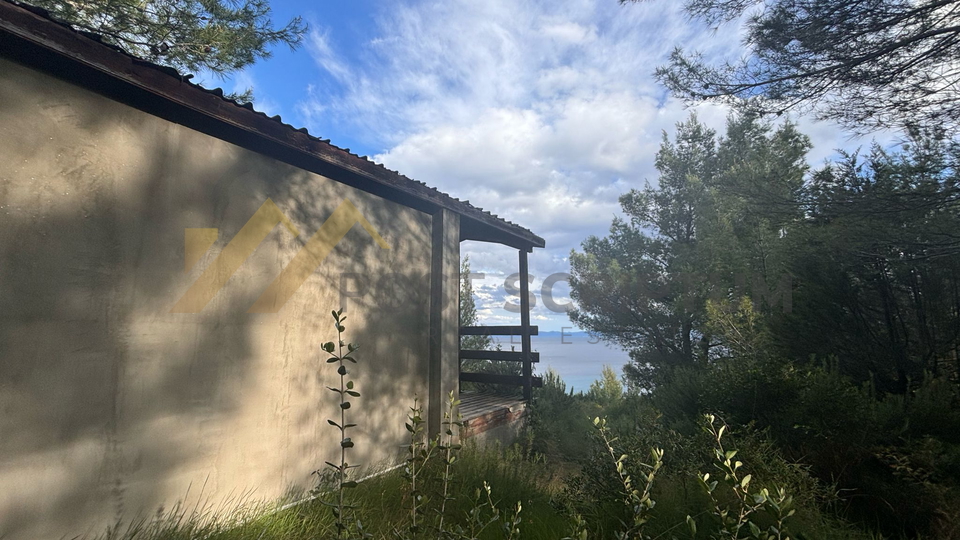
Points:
(542, 112)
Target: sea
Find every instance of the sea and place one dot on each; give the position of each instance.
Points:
(576, 356)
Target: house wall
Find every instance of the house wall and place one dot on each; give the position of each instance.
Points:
(111, 406)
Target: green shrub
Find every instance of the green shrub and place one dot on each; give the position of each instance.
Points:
(892, 460)
(558, 422)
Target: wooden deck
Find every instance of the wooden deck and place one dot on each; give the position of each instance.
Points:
(482, 411)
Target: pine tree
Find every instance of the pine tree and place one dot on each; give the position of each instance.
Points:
(713, 228)
(468, 311)
(866, 64)
(221, 36)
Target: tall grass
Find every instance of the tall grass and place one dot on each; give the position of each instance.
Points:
(382, 505)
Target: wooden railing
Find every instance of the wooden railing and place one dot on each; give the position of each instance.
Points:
(525, 356)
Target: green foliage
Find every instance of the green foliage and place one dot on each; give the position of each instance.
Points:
(449, 446)
(747, 504)
(738, 326)
(554, 416)
(419, 452)
(512, 493)
(468, 311)
(877, 266)
(340, 506)
(382, 504)
(631, 287)
(639, 502)
(890, 458)
(430, 469)
(699, 236)
(608, 390)
(192, 35)
(821, 318)
(781, 469)
(866, 65)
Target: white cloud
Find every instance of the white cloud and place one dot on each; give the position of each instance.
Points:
(541, 112)
(326, 59)
(569, 32)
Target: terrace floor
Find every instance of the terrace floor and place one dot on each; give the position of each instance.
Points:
(483, 411)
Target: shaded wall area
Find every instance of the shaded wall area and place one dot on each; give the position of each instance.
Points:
(110, 405)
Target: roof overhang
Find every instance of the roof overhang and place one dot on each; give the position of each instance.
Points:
(471, 229)
(28, 36)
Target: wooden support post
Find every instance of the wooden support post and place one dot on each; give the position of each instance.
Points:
(525, 326)
(443, 361)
